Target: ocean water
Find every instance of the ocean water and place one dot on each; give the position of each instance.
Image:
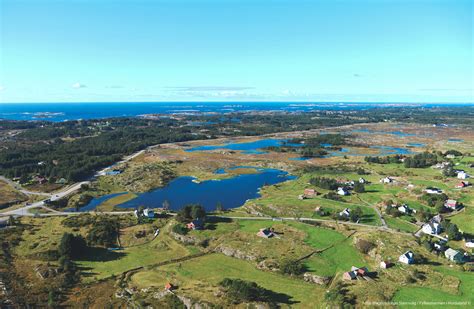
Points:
(75, 111)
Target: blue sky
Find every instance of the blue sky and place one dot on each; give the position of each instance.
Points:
(327, 50)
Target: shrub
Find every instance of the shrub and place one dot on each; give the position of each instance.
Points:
(104, 232)
(191, 212)
(239, 291)
(293, 268)
(180, 229)
(72, 246)
(364, 246)
(359, 187)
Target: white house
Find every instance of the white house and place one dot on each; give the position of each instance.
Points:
(407, 258)
(469, 243)
(362, 180)
(453, 255)
(345, 213)
(342, 191)
(432, 228)
(463, 175)
(405, 209)
(149, 213)
(451, 204)
(431, 190)
(387, 179)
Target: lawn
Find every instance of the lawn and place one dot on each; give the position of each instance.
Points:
(400, 224)
(106, 264)
(340, 257)
(188, 276)
(420, 294)
(282, 200)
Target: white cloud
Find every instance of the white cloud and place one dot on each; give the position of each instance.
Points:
(78, 85)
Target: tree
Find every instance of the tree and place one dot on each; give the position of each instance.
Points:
(104, 232)
(219, 207)
(166, 205)
(51, 299)
(359, 187)
(191, 212)
(291, 267)
(72, 246)
(453, 232)
(356, 214)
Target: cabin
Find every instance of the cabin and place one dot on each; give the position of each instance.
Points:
(431, 228)
(462, 184)
(462, 175)
(454, 255)
(266, 233)
(451, 204)
(61, 181)
(113, 172)
(169, 286)
(310, 192)
(349, 275)
(438, 218)
(355, 272)
(197, 224)
(407, 258)
(386, 264)
(342, 191)
(405, 209)
(149, 213)
(40, 179)
(439, 246)
(362, 180)
(431, 190)
(346, 213)
(3, 222)
(468, 243)
(387, 179)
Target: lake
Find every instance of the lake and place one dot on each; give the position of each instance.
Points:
(231, 192)
(247, 147)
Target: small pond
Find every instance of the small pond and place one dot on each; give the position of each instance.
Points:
(97, 201)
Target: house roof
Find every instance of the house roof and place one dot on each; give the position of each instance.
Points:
(408, 254)
(451, 252)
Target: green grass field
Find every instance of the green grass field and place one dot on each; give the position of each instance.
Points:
(425, 294)
(200, 277)
(161, 249)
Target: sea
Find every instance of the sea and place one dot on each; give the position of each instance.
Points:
(76, 111)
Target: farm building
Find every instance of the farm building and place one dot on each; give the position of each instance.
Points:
(407, 258)
(454, 255)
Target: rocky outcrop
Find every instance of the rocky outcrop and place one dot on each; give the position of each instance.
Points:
(268, 265)
(185, 239)
(235, 253)
(308, 277)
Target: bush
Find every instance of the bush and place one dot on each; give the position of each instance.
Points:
(420, 160)
(359, 187)
(104, 232)
(180, 229)
(364, 246)
(191, 212)
(333, 196)
(72, 246)
(239, 291)
(293, 268)
(325, 183)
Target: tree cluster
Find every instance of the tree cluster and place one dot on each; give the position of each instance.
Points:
(421, 160)
(191, 212)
